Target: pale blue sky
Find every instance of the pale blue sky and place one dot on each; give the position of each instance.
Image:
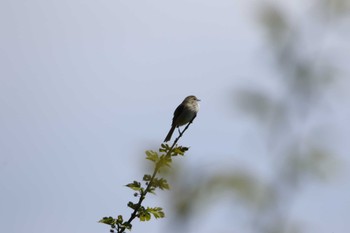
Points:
(87, 86)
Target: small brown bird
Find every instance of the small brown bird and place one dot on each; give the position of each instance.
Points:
(184, 114)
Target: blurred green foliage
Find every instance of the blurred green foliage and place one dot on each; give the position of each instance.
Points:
(297, 158)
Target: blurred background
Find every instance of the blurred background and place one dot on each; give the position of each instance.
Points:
(86, 87)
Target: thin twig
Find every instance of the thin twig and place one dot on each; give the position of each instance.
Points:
(181, 133)
(156, 169)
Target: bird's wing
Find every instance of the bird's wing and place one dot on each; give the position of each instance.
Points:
(177, 113)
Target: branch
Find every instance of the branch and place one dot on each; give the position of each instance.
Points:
(137, 207)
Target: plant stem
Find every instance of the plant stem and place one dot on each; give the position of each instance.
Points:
(156, 169)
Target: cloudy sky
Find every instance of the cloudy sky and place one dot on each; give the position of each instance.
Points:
(87, 86)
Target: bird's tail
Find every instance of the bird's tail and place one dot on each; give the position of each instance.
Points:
(171, 131)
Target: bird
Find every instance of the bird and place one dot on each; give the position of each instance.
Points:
(184, 114)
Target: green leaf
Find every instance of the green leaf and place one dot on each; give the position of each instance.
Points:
(164, 161)
(134, 186)
(156, 211)
(147, 177)
(152, 155)
(120, 219)
(164, 148)
(144, 216)
(160, 183)
(179, 151)
(151, 190)
(108, 220)
(132, 205)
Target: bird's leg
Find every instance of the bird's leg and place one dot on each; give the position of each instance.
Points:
(178, 128)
